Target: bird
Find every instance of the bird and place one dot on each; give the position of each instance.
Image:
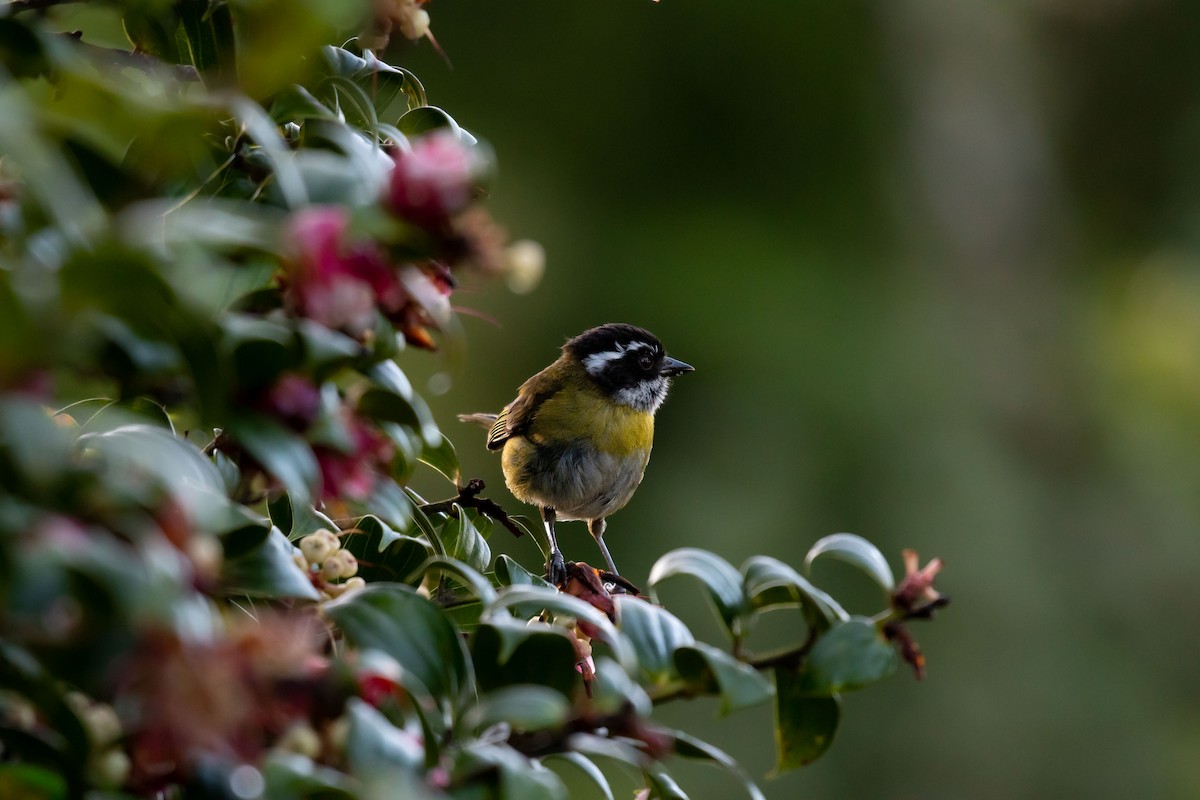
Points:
(576, 440)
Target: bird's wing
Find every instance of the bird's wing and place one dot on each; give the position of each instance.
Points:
(518, 415)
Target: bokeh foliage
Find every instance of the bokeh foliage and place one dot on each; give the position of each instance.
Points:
(222, 236)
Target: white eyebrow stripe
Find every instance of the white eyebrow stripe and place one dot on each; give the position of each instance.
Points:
(596, 362)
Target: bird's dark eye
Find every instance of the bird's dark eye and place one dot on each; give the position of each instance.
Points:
(645, 362)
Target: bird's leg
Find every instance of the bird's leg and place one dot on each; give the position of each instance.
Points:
(596, 529)
(556, 567)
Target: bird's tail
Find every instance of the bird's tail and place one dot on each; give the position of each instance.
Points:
(486, 420)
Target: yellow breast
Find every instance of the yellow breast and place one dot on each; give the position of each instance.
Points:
(612, 428)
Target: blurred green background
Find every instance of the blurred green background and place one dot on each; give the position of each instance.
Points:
(937, 266)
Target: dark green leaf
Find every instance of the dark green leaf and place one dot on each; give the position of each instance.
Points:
(531, 600)
(848, 656)
(804, 725)
(295, 104)
(268, 570)
(507, 652)
(31, 782)
(462, 573)
(770, 582)
(520, 778)
(510, 573)
(706, 669)
(525, 707)
(283, 454)
(723, 582)
(374, 745)
(290, 776)
(655, 634)
(390, 502)
(662, 785)
(396, 620)
(442, 458)
(424, 119)
(690, 747)
(587, 767)
(614, 692)
(857, 552)
(383, 554)
(464, 542)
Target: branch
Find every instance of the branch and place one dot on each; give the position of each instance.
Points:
(468, 497)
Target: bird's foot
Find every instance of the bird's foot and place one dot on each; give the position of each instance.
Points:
(556, 569)
(615, 584)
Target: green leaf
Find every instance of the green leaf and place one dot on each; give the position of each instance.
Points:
(511, 573)
(396, 620)
(290, 776)
(388, 406)
(706, 669)
(383, 554)
(442, 458)
(31, 782)
(374, 745)
(723, 582)
(587, 767)
(525, 707)
(690, 747)
(464, 542)
(472, 579)
(507, 652)
(392, 504)
(614, 692)
(662, 785)
(857, 552)
(655, 634)
(297, 519)
(804, 725)
(531, 600)
(268, 570)
(520, 778)
(283, 454)
(424, 119)
(849, 656)
(769, 583)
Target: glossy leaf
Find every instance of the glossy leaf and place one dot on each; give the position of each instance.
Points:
(655, 634)
(769, 582)
(22, 674)
(289, 776)
(443, 458)
(709, 670)
(587, 768)
(519, 777)
(375, 745)
(857, 552)
(283, 454)
(724, 583)
(396, 620)
(662, 785)
(480, 587)
(382, 553)
(510, 573)
(690, 747)
(530, 600)
(804, 725)
(464, 542)
(848, 656)
(267, 570)
(506, 651)
(614, 691)
(526, 707)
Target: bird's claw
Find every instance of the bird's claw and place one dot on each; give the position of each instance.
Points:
(556, 569)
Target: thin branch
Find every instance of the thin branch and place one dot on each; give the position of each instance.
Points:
(468, 497)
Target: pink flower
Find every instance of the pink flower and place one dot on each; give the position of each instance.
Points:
(434, 180)
(352, 475)
(333, 280)
(294, 400)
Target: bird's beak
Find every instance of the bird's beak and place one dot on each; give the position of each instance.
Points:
(673, 366)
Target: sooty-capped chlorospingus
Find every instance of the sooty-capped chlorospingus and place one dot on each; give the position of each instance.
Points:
(576, 440)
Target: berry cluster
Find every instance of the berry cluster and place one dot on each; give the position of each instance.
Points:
(332, 569)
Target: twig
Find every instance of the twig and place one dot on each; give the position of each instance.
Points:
(468, 497)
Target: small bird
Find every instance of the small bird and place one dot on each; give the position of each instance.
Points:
(577, 438)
